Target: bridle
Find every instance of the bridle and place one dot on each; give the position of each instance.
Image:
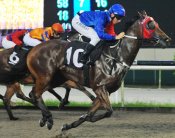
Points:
(147, 31)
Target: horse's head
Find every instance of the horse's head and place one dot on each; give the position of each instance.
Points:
(152, 31)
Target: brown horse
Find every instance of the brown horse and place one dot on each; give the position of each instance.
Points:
(11, 79)
(47, 66)
(15, 88)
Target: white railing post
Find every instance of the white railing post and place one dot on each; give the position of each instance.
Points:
(144, 67)
(122, 94)
(160, 78)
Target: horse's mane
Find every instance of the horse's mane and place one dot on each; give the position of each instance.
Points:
(130, 22)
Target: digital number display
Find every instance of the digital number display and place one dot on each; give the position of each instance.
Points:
(63, 11)
(81, 5)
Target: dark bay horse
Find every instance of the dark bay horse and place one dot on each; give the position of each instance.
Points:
(15, 88)
(11, 80)
(46, 64)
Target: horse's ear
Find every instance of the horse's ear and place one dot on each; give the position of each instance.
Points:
(144, 13)
(140, 15)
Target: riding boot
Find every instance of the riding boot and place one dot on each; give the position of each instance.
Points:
(85, 55)
(91, 60)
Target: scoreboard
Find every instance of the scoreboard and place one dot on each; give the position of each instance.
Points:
(63, 11)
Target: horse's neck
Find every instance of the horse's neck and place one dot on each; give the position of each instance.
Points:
(130, 46)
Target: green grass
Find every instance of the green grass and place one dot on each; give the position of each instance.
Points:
(86, 104)
(142, 104)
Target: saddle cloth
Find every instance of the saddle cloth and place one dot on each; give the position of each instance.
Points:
(17, 60)
(75, 49)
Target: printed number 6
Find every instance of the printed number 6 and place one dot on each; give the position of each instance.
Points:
(13, 59)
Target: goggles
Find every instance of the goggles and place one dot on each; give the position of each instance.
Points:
(118, 16)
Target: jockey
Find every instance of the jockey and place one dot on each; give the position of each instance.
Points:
(39, 35)
(15, 38)
(98, 25)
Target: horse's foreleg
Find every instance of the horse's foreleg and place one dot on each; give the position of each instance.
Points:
(101, 100)
(47, 116)
(62, 101)
(105, 102)
(86, 92)
(21, 95)
(56, 95)
(65, 100)
(72, 84)
(66, 97)
(83, 118)
(36, 94)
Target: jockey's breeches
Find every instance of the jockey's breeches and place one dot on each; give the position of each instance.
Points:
(29, 41)
(7, 43)
(89, 32)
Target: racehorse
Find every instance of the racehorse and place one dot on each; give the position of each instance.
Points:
(11, 79)
(15, 88)
(49, 69)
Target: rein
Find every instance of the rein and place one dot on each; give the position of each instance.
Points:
(132, 37)
(135, 37)
(143, 39)
(115, 59)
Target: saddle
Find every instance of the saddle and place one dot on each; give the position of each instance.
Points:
(69, 35)
(17, 60)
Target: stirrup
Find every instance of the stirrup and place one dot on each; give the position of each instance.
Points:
(90, 62)
(82, 60)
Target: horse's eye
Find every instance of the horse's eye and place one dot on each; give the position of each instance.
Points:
(150, 25)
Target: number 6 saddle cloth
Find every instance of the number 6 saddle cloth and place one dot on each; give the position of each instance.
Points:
(17, 60)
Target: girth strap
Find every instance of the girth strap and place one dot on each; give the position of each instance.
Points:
(86, 75)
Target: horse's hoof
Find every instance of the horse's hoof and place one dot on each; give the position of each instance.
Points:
(60, 106)
(14, 118)
(64, 127)
(49, 125)
(42, 122)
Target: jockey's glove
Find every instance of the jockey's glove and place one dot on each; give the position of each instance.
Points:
(120, 35)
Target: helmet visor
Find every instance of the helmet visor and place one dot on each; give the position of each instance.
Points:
(119, 17)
